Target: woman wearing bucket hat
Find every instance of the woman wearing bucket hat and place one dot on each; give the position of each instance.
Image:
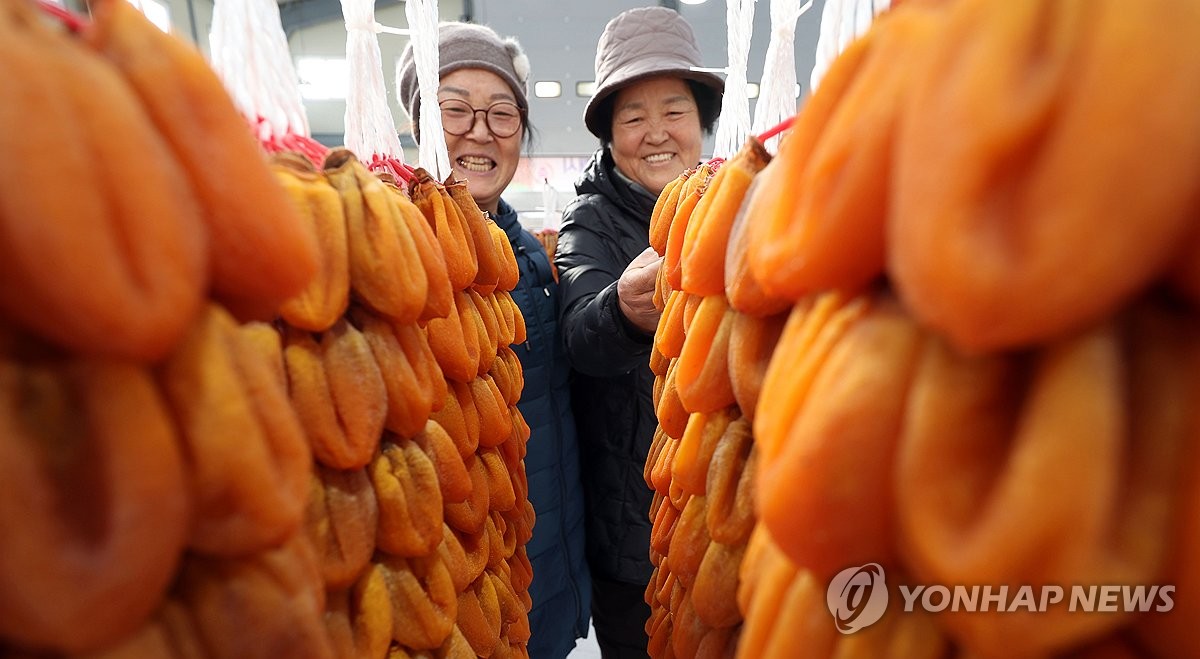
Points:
(482, 94)
(650, 111)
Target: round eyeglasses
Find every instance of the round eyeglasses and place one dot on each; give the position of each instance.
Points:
(502, 118)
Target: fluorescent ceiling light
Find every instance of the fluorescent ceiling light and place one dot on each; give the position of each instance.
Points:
(547, 89)
(752, 90)
(693, 2)
(585, 89)
(322, 78)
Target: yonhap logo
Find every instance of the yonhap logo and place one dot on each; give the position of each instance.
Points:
(857, 597)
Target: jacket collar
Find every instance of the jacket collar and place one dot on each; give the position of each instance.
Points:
(506, 218)
(600, 176)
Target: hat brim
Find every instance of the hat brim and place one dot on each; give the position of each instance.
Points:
(648, 68)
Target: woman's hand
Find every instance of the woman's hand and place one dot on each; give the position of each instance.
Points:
(635, 291)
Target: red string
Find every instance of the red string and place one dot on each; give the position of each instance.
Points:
(389, 165)
(72, 21)
(310, 148)
(302, 144)
(787, 123)
(762, 138)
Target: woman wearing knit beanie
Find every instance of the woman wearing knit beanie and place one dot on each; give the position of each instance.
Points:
(482, 96)
(650, 111)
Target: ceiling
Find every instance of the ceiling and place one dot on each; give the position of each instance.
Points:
(299, 14)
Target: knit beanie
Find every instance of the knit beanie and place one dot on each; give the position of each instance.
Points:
(465, 46)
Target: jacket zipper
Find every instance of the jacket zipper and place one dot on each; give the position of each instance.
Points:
(558, 447)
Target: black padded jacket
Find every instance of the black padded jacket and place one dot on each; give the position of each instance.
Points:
(604, 228)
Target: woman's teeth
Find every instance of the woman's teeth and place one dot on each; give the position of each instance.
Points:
(658, 158)
(474, 164)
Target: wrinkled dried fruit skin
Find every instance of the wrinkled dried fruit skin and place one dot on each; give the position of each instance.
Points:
(689, 197)
(68, 270)
(359, 396)
(812, 329)
(410, 500)
(341, 523)
(490, 262)
(500, 489)
(409, 403)
(491, 323)
(453, 479)
(714, 596)
(96, 517)
(453, 236)
(505, 322)
(479, 615)
(415, 343)
(702, 375)
(319, 205)
(752, 342)
(260, 251)
(672, 415)
(657, 444)
(782, 251)
(732, 484)
(440, 295)
(495, 421)
(664, 212)
(835, 470)
(386, 270)
(707, 235)
(359, 619)
(742, 287)
(471, 515)
(1096, 417)
(509, 273)
(842, 187)
(455, 341)
(669, 336)
(692, 458)
(263, 606)
(248, 460)
(689, 541)
(1031, 237)
(783, 605)
(452, 419)
(661, 473)
(1170, 634)
(424, 603)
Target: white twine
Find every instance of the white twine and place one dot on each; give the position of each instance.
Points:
(863, 13)
(733, 126)
(249, 52)
(423, 22)
(370, 129)
(283, 84)
(777, 94)
(842, 22)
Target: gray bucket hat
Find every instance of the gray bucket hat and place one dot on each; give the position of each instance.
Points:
(642, 43)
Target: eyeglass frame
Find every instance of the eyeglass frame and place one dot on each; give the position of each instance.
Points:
(522, 114)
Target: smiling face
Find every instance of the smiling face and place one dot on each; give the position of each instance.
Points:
(486, 162)
(656, 131)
